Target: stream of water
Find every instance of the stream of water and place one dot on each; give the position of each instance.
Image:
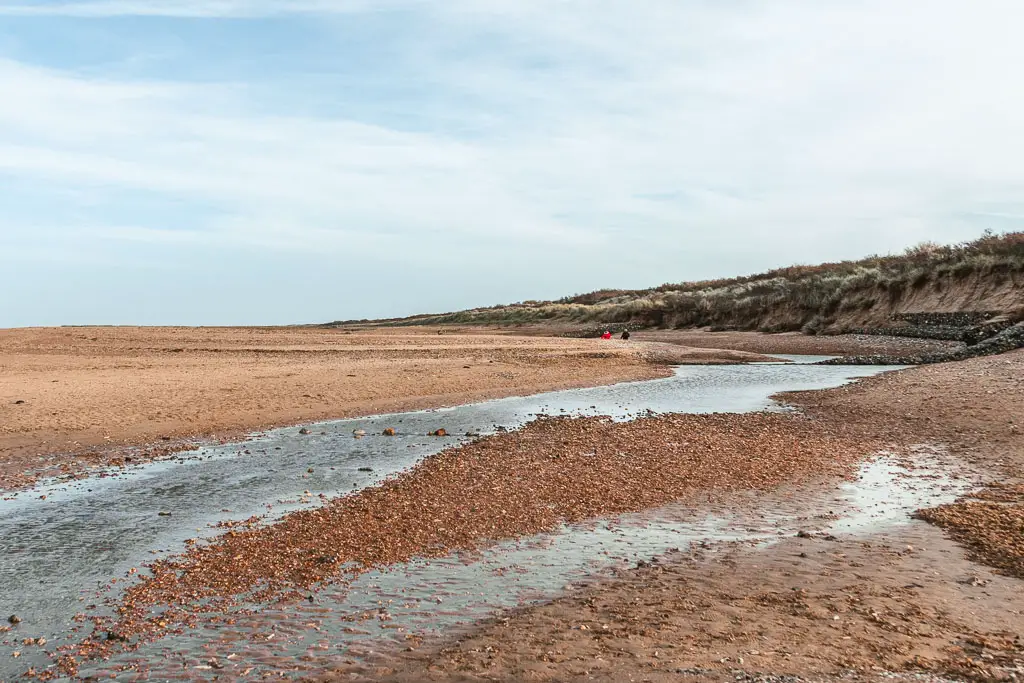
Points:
(59, 550)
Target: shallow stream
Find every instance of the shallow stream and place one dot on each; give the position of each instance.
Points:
(59, 550)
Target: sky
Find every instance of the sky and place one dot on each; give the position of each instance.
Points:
(289, 161)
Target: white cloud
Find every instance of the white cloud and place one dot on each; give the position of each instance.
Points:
(664, 132)
(274, 175)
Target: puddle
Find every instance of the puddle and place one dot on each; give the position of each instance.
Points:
(59, 551)
(383, 610)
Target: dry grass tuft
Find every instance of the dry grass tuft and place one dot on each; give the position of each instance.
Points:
(799, 297)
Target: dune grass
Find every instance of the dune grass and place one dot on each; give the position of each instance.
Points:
(799, 297)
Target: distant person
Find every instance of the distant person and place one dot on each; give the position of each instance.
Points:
(607, 334)
(625, 334)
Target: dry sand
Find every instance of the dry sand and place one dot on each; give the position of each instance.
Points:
(72, 396)
(753, 342)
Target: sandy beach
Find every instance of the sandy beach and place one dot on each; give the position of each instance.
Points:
(936, 594)
(524, 342)
(75, 397)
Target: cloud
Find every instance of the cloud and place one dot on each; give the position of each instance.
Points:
(594, 140)
(278, 178)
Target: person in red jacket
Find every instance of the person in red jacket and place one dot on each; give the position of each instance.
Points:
(607, 335)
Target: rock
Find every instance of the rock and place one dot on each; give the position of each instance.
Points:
(994, 340)
(802, 534)
(164, 514)
(366, 469)
(358, 433)
(389, 431)
(19, 402)
(973, 581)
(303, 431)
(14, 619)
(439, 432)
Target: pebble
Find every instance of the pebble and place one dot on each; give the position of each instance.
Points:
(474, 494)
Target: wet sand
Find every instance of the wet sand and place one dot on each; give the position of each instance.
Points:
(478, 494)
(71, 398)
(811, 608)
(914, 599)
(798, 343)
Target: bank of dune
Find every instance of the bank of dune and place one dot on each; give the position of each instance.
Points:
(983, 278)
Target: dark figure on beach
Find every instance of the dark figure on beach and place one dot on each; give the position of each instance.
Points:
(625, 334)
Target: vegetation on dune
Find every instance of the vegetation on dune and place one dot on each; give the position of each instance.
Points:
(800, 297)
